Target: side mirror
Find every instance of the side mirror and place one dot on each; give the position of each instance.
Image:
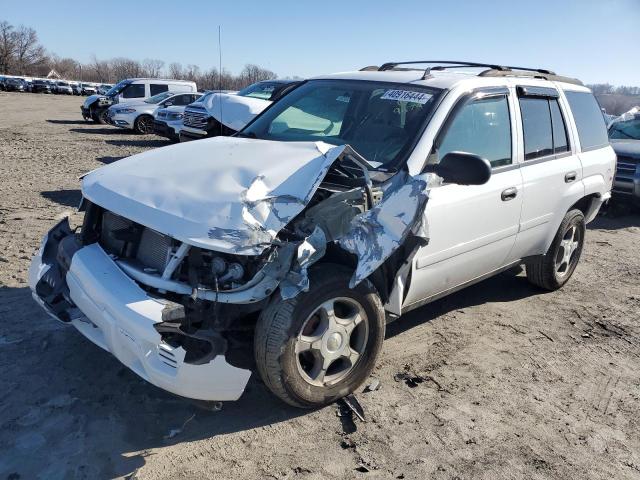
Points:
(168, 104)
(463, 168)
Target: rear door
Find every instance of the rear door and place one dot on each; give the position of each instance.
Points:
(551, 170)
(472, 229)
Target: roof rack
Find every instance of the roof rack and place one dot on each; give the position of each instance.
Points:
(442, 64)
(493, 70)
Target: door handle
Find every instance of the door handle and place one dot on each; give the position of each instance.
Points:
(509, 194)
(570, 177)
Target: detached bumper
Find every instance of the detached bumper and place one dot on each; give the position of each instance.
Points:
(112, 311)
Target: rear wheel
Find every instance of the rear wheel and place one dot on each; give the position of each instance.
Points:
(322, 344)
(552, 270)
(144, 124)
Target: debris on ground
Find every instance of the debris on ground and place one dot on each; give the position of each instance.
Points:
(352, 405)
(373, 385)
(177, 431)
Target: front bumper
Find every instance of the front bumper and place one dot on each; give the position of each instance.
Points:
(190, 133)
(164, 129)
(122, 120)
(112, 311)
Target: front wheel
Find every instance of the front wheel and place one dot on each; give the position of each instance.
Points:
(143, 124)
(552, 270)
(322, 344)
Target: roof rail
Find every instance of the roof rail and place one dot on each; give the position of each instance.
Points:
(443, 64)
(493, 70)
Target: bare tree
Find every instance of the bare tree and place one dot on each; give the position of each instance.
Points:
(7, 46)
(125, 68)
(28, 52)
(175, 70)
(253, 73)
(98, 70)
(152, 68)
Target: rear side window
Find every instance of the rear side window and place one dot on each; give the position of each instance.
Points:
(155, 89)
(133, 91)
(481, 127)
(545, 132)
(592, 130)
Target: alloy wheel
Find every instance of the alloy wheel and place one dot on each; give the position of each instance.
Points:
(331, 341)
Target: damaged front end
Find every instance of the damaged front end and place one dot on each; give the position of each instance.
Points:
(170, 288)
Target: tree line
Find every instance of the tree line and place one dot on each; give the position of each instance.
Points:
(22, 54)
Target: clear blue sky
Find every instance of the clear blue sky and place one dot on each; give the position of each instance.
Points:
(595, 40)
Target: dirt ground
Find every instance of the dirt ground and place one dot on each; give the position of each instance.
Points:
(498, 381)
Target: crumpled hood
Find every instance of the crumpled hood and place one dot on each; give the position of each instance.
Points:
(233, 110)
(90, 99)
(227, 194)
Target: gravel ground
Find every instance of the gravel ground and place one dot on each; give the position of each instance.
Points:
(497, 381)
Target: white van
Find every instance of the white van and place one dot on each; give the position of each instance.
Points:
(131, 90)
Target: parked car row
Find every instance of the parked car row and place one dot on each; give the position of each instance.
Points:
(175, 110)
(43, 85)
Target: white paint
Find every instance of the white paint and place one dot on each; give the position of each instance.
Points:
(233, 110)
(227, 194)
(120, 318)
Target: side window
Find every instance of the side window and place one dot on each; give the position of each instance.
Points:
(181, 100)
(481, 127)
(589, 120)
(545, 132)
(155, 89)
(538, 131)
(135, 90)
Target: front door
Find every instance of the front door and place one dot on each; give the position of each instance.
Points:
(472, 229)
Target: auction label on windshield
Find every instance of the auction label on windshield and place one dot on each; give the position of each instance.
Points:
(406, 96)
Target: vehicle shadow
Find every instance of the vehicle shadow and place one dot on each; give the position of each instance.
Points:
(80, 409)
(69, 122)
(98, 131)
(505, 287)
(68, 198)
(138, 143)
(615, 217)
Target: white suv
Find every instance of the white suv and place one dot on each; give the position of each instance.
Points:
(351, 200)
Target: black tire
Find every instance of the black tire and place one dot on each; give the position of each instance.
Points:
(542, 270)
(99, 116)
(281, 322)
(144, 124)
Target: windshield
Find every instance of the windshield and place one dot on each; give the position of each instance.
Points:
(262, 90)
(379, 120)
(63, 84)
(159, 97)
(117, 88)
(629, 130)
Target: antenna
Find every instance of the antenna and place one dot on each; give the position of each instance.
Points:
(220, 73)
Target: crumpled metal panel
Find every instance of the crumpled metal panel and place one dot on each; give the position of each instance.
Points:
(227, 194)
(375, 234)
(234, 111)
(309, 252)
